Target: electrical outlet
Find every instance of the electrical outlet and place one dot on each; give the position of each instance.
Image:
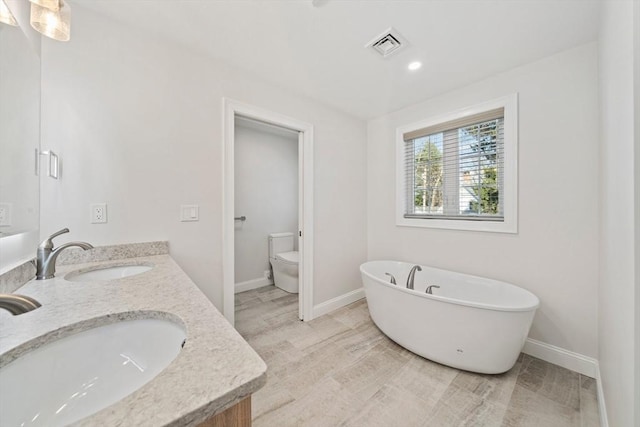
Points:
(98, 213)
(5, 214)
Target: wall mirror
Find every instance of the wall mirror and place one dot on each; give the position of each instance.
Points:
(19, 146)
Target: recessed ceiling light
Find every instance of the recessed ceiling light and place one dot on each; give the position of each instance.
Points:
(415, 65)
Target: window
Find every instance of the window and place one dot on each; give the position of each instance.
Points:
(458, 171)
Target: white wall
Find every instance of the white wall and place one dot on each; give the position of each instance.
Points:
(22, 12)
(266, 192)
(555, 253)
(138, 124)
(616, 294)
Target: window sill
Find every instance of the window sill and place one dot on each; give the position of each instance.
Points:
(505, 226)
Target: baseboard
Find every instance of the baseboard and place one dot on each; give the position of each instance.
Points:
(574, 361)
(559, 356)
(337, 302)
(604, 421)
(252, 284)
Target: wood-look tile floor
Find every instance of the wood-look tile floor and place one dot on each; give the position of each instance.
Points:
(340, 370)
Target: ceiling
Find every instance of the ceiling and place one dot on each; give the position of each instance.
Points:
(317, 48)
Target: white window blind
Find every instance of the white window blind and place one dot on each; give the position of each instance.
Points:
(455, 170)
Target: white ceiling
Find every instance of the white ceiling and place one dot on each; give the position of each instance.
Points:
(318, 50)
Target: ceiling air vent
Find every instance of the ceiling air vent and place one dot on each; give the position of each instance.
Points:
(387, 43)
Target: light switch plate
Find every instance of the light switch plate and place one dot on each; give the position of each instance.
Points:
(189, 213)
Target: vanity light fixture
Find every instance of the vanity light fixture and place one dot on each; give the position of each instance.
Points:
(49, 4)
(6, 16)
(52, 22)
(415, 65)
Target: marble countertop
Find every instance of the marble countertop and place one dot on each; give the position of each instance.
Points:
(215, 369)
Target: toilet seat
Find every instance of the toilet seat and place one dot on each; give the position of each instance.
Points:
(284, 261)
(288, 257)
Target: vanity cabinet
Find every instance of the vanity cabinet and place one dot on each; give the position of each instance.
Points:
(239, 415)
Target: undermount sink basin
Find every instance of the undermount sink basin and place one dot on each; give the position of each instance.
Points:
(78, 375)
(107, 273)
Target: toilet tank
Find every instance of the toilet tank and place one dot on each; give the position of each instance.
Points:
(279, 243)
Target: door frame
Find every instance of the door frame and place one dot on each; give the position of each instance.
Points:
(231, 109)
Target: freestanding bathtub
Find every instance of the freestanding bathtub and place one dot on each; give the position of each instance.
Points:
(470, 322)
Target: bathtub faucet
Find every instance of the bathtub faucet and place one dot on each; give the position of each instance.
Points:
(412, 275)
(430, 288)
(393, 279)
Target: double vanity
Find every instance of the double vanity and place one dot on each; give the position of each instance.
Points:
(123, 337)
(135, 344)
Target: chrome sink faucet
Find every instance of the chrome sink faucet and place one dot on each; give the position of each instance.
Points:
(412, 275)
(17, 304)
(46, 256)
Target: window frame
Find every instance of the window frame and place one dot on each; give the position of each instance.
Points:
(510, 191)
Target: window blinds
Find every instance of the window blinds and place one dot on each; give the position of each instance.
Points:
(455, 170)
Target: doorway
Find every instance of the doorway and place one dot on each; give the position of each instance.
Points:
(235, 111)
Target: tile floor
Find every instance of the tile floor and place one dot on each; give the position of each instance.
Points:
(340, 370)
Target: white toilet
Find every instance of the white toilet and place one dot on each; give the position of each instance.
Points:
(284, 261)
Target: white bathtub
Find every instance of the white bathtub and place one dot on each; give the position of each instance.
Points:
(470, 322)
